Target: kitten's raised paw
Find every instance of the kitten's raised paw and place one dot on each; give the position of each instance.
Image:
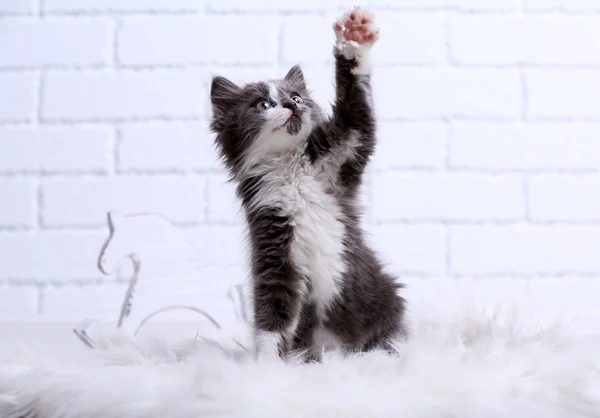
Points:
(356, 33)
(357, 25)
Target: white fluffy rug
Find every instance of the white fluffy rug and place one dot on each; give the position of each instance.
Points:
(471, 354)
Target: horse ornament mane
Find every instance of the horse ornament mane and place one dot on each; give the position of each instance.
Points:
(164, 275)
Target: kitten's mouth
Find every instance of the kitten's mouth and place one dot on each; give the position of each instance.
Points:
(293, 124)
(293, 118)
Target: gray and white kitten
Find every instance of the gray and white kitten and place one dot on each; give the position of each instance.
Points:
(315, 282)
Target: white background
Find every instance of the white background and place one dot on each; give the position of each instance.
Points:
(489, 149)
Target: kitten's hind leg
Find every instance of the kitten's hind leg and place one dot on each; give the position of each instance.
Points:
(379, 343)
(385, 340)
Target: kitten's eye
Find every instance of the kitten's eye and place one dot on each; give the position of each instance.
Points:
(297, 98)
(263, 105)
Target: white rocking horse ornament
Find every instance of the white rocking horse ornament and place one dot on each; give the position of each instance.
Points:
(165, 267)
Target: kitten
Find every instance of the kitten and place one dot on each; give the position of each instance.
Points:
(315, 282)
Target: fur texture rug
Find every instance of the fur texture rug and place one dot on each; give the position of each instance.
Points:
(471, 353)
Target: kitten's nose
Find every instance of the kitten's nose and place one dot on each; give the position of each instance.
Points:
(289, 105)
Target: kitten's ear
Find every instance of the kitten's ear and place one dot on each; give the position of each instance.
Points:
(295, 76)
(223, 95)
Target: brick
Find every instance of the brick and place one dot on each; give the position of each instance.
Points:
(567, 5)
(410, 145)
(166, 147)
(17, 7)
(55, 42)
(18, 199)
(530, 39)
(223, 207)
(525, 146)
(94, 6)
(447, 92)
(93, 299)
(219, 245)
(410, 38)
(490, 5)
(447, 197)
(294, 41)
(51, 150)
(85, 202)
(560, 197)
(186, 40)
(275, 5)
(18, 300)
(123, 95)
(566, 93)
(528, 250)
(20, 89)
(50, 255)
(410, 249)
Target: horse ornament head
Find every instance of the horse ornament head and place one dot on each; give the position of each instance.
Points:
(112, 255)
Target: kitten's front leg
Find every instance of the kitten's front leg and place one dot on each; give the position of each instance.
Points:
(355, 36)
(277, 286)
(353, 113)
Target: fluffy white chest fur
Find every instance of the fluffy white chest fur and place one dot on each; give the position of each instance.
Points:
(304, 193)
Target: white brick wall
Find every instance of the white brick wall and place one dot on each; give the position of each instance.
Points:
(55, 42)
(489, 120)
(532, 40)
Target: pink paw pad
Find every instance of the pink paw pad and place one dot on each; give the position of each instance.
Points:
(357, 25)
